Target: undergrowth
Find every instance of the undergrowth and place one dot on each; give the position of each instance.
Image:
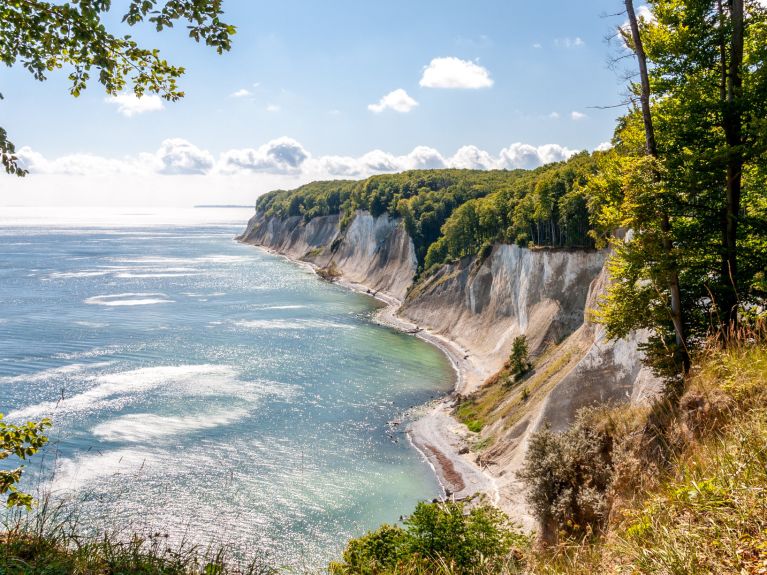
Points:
(689, 493)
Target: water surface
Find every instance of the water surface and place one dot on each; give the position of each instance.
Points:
(204, 388)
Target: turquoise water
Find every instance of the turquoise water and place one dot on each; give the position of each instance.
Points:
(203, 388)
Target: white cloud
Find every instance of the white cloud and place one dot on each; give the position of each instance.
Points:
(554, 116)
(537, 46)
(285, 158)
(472, 158)
(604, 146)
(241, 93)
(273, 108)
(398, 100)
(179, 157)
(577, 116)
(130, 105)
(568, 43)
(425, 158)
(455, 73)
(280, 156)
(525, 156)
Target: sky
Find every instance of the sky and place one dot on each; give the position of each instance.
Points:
(325, 90)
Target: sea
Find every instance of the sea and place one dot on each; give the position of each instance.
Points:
(202, 389)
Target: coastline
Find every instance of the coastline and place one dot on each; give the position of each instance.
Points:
(440, 438)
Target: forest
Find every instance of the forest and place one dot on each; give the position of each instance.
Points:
(450, 214)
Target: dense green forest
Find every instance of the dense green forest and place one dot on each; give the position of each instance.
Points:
(453, 213)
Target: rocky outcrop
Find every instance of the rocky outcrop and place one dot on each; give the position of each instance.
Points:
(374, 251)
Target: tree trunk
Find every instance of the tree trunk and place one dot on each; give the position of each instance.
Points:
(652, 150)
(733, 130)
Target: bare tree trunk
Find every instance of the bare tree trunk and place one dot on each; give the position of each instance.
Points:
(733, 129)
(652, 150)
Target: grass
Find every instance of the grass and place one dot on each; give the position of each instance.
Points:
(705, 510)
(49, 541)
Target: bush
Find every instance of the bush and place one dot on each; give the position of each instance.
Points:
(21, 442)
(567, 476)
(479, 540)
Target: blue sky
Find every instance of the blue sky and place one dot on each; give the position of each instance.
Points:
(310, 78)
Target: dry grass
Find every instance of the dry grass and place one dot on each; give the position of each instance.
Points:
(703, 510)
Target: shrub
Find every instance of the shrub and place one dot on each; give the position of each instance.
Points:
(567, 476)
(21, 442)
(434, 536)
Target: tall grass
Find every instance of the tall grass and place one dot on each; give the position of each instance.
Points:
(704, 509)
(50, 541)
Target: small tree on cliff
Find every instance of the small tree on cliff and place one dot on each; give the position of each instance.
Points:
(519, 360)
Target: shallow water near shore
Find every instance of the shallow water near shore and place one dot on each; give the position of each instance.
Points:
(203, 388)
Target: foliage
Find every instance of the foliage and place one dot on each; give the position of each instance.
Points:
(519, 360)
(47, 36)
(568, 474)
(465, 540)
(21, 442)
(468, 414)
(695, 103)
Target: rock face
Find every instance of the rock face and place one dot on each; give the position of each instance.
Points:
(376, 252)
(484, 305)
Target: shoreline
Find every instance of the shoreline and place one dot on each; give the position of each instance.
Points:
(436, 435)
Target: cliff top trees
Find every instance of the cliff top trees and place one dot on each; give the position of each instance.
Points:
(46, 36)
(685, 176)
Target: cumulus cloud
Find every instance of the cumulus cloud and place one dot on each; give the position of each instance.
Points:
(577, 116)
(453, 72)
(472, 158)
(285, 157)
(525, 156)
(130, 105)
(604, 146)
(177, 157)
(280, 156)
(398, 100)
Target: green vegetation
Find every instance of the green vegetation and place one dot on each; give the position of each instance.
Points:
(687, 477)
(567, 475)
(46, 36)
(455, 213)
(20, 442)
(450, 538)
(687, 175)
(519, 362)
(49, 543)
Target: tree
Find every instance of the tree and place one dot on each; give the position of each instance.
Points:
(46, 36)
(20, 441)
(520, 363)
(686, 177)
(665, 221)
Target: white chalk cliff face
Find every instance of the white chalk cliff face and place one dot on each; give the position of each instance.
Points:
(376, 252)
(482, 305)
